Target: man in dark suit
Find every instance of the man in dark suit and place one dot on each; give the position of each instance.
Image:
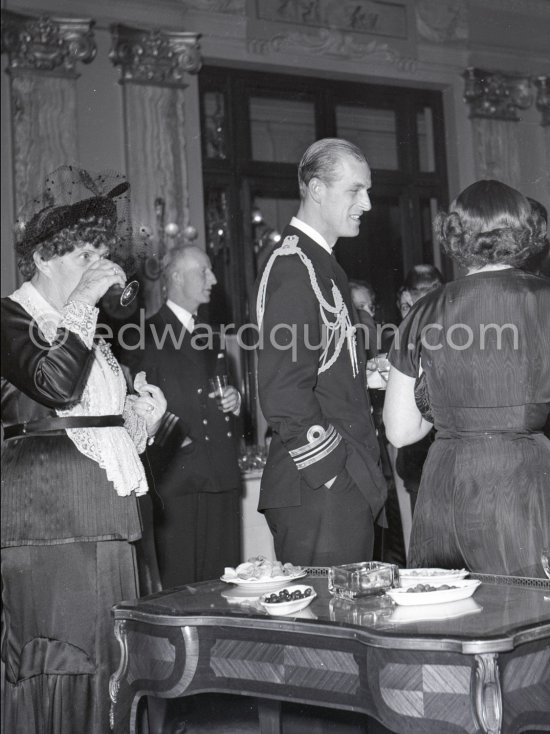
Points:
(194, 458)
(322, 488)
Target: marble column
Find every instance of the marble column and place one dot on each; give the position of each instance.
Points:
(153, 68)
(494, 100)
(43, 53)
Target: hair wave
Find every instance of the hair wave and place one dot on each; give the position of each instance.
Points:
(490, 223)
(91, 230)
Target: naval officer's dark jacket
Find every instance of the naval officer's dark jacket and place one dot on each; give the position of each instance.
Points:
(181, 369)
(321, 421)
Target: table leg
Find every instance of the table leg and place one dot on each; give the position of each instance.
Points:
(269, 716)
(488, 693)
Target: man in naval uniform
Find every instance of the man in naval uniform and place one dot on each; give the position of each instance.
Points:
(322, 488)
(194, 459)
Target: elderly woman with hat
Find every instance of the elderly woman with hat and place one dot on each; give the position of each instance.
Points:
(71, 469)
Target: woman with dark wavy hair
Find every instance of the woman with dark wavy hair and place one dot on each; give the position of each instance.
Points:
(483, 344)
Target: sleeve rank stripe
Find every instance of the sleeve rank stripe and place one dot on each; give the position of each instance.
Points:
(327, 435)
(320, 454)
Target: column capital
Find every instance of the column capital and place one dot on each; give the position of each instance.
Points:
(155, 56)
(47, 43)
(496, 95)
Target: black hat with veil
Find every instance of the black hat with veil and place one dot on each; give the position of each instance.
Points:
(76, 204)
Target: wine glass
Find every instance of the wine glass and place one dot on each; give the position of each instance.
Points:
(129, 292)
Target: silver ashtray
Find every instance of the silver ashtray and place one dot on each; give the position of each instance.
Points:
(357, 580)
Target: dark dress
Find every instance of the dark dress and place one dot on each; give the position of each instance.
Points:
(484, 498)
(67, 555)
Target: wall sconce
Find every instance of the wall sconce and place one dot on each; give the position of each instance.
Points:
(171, 230)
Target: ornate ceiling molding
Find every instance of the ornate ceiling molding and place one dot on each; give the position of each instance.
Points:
(525, 7)
(229, 7)
(330, 43)
(47, 43)
(155, 56)
(442, 21)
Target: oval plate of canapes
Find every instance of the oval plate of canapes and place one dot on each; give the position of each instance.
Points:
(259, 575)
(434, 592)
(408, 576)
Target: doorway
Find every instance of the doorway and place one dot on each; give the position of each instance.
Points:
(255, 128)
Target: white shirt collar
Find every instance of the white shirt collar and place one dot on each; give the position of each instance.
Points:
(311, 233)
(182, 315)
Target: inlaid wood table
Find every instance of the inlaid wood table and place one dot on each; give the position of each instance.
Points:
(477, 665)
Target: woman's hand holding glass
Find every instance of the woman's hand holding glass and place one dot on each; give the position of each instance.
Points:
(96, 281)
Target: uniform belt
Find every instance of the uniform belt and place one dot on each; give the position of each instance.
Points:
(53, 425)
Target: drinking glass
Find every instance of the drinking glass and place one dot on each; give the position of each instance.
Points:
(545, 560)
(217, 385)
(383, 366)
(125, 295)
(129, 292)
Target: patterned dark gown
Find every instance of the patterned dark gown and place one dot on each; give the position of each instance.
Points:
(484, 498)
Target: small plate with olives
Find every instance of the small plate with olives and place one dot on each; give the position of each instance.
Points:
(434, 593)
(289, 600)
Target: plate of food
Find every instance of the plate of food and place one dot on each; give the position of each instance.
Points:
(413, 576)
(288, 600)
(434, 592)
(435, 612)
(259, 575)
(235, 595)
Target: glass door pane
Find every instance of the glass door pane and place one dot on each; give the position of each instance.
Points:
(214, 125)
(269, 217)
(425, 133)
(280, 129)
(372, 130)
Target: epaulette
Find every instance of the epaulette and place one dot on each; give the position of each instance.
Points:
(337, 324)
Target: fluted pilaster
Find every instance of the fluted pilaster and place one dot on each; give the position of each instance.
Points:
(43, 53)
(154, 65)
(495, 99)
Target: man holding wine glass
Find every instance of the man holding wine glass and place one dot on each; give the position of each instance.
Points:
(194, 459)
